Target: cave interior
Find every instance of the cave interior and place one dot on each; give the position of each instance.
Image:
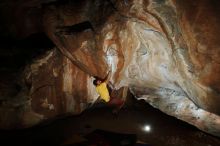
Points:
(161, 58)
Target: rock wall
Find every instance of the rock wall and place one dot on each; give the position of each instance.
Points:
(165, 51)
(58, 87)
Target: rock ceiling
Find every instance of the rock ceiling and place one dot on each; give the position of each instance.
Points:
(165, 51)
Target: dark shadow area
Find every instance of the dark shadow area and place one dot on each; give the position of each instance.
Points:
(62, 2)
(102, 137)
(114, 129)
(14, 56)
(17, 53)
(70, 30)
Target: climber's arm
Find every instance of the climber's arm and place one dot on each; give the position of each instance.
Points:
(107, 78)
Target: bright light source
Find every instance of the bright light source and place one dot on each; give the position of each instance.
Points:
(147, 128)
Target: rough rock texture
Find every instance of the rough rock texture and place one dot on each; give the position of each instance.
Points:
(55, 80)
(165, 51)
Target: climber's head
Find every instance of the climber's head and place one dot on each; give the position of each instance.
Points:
(97, 81)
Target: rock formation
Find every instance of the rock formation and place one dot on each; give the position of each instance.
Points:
(165, 51)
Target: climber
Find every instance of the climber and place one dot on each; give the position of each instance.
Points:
(103, 91)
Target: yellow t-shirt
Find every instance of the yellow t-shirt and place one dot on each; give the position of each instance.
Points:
(103, 91)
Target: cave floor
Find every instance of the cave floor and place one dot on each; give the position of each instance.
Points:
(165, 130)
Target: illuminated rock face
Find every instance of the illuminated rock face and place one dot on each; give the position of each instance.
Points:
(166, 52)
(58, 86)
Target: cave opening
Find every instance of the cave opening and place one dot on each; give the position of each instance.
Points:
(162, 55)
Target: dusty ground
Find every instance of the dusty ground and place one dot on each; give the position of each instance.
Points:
(165, 130)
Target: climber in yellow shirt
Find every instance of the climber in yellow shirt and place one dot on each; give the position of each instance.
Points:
(102, 90)
(101, 87)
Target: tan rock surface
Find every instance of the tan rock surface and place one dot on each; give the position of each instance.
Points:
(166, 52)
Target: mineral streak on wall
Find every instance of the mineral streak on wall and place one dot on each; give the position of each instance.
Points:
(165, 51)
